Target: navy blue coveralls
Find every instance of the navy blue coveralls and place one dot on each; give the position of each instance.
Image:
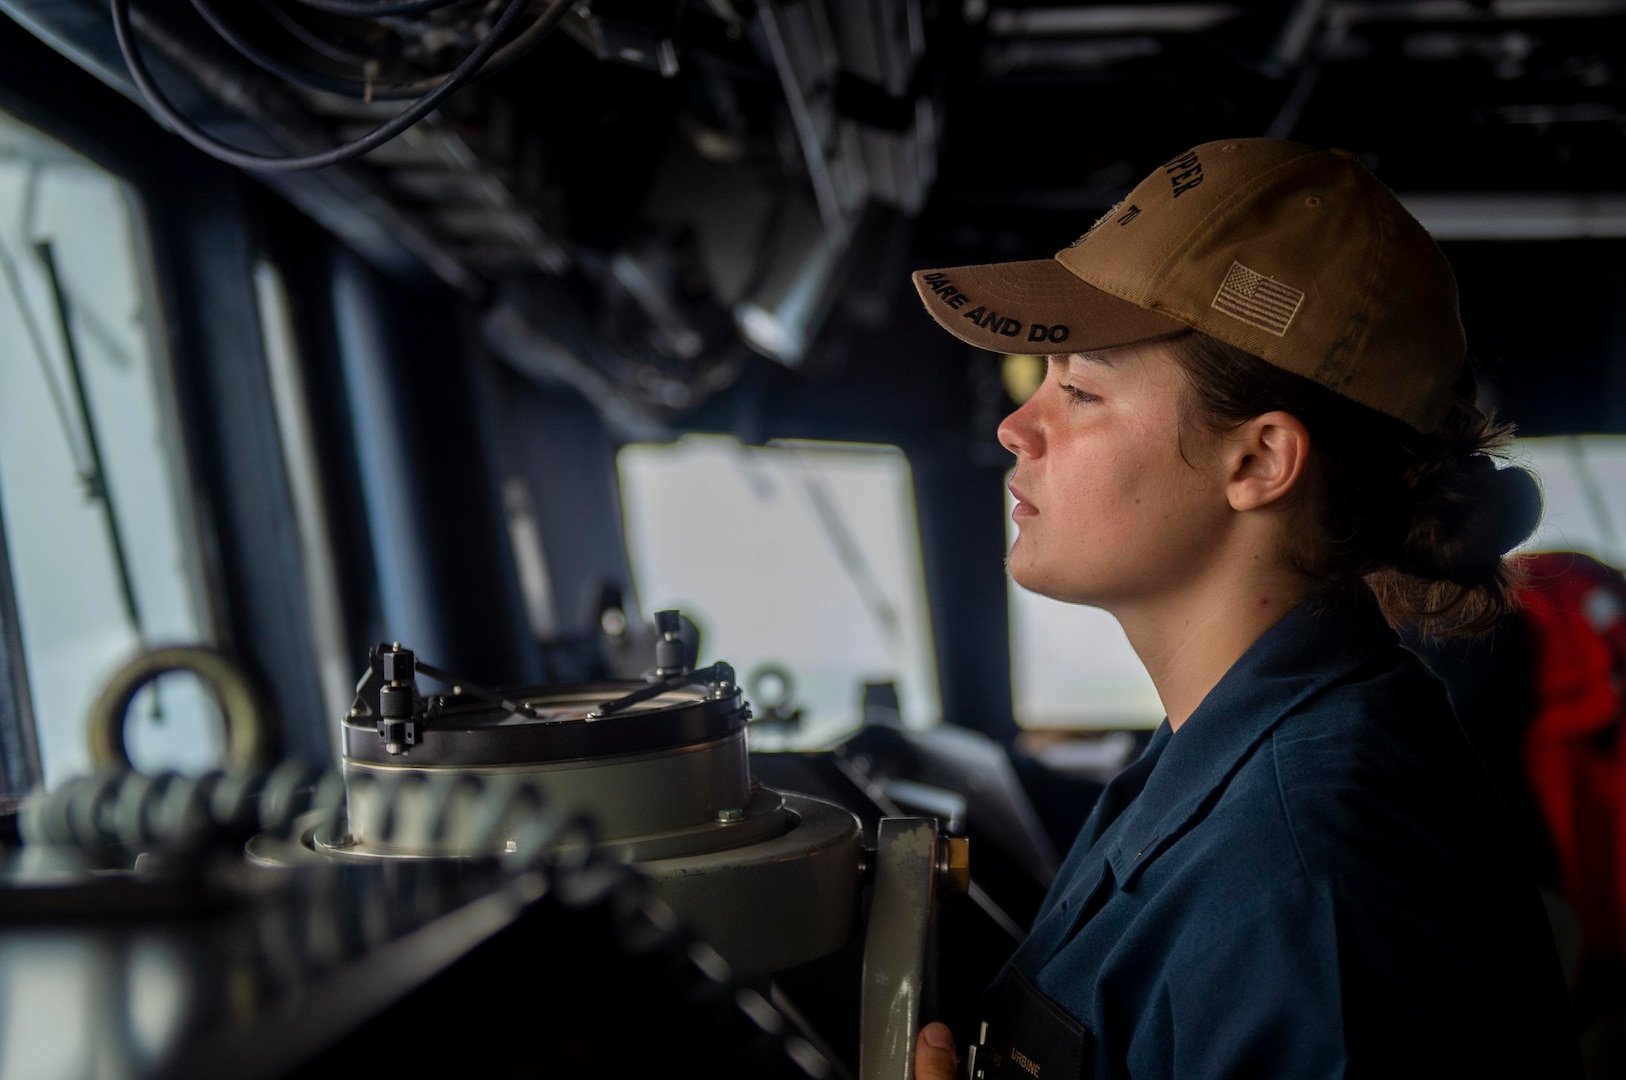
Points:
(1312, 878)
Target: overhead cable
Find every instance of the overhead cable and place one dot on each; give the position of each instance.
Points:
(489, 55)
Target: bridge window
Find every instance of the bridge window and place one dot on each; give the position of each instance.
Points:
(1073, 668)
(93, 491)
(1583, 480)
(799, 558)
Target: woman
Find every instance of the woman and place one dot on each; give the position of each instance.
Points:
(1257, 448)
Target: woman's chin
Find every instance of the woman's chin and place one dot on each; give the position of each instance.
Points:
(1052, 586)
(1016, 567)
(1029, 577)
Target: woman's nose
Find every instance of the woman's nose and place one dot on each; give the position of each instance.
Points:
(1017, 432)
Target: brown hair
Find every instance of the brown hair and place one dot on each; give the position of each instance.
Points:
(1423, 521)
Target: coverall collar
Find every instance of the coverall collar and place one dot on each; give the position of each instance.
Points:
(1319, 643)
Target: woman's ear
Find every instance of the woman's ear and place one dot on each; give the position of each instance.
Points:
(1266, 458)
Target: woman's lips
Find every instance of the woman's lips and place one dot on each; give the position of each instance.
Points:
(1024, 509)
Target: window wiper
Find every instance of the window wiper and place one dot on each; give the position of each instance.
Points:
(850, 554)
(42, 356)
(91, 471)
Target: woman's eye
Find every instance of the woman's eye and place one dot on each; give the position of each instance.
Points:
(1078, 396)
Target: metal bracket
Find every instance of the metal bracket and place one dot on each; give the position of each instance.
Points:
(719, 676)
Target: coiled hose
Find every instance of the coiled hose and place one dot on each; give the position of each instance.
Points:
(118, 807)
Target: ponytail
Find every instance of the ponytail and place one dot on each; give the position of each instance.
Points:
(1424, 521)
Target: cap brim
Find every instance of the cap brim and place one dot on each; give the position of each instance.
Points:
(1037, 306)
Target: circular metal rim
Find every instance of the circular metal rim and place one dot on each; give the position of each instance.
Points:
(782, 902)
(768, 818)
(813, 867)
(446, 742)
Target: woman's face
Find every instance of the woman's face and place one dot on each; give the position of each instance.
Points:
(1109, 511)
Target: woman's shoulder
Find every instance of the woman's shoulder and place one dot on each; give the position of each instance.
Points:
(1381, 725)
(1376, 769)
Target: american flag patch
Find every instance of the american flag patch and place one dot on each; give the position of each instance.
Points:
(1258, 300)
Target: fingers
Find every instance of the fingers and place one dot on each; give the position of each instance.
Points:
(934, 1053)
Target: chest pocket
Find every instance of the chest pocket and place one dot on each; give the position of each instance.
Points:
(1030, 1037)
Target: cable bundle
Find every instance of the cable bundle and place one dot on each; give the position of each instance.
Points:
(357, 42)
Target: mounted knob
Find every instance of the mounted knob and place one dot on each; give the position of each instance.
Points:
(670, 652)
(399, 725)
(400, 665)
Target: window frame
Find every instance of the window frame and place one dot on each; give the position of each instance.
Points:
(194, 226)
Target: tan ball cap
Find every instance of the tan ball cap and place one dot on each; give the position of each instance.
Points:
(1299, 256)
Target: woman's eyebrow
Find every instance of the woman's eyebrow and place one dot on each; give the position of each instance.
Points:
(1088, 357)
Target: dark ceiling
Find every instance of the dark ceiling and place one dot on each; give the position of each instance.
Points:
(684, 180)
(1437, 96)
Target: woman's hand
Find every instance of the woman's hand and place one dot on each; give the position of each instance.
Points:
(934, 1053)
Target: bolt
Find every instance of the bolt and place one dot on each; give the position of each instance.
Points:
(730, 815)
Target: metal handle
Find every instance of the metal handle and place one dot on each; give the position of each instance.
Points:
(249, 735)
(900, 947)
